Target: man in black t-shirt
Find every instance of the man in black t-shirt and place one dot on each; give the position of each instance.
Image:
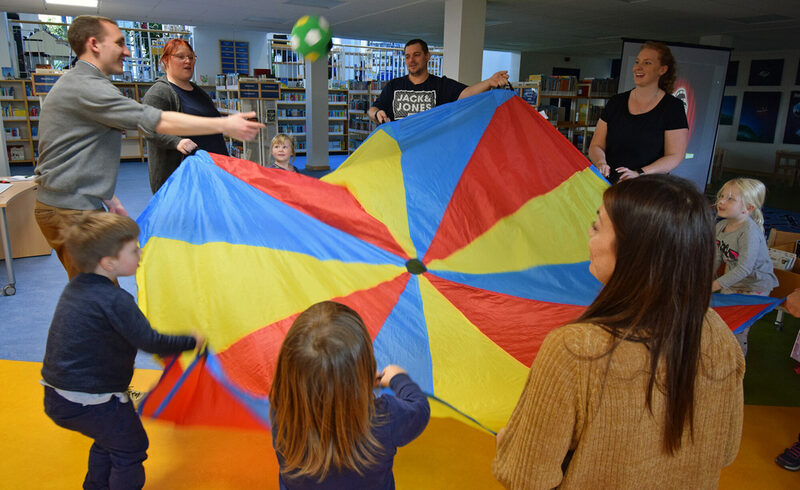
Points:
(419, 91)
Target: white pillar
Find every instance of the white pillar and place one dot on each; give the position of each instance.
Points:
(317, 114)
(464, 26)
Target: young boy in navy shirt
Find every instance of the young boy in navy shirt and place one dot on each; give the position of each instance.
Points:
(91, 346)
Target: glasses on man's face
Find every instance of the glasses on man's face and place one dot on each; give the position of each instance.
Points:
(183, 58)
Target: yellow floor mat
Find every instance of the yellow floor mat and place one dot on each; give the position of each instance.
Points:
(35, 453)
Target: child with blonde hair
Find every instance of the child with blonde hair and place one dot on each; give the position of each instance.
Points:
(740, 243)
(282, 153)
(328, 428)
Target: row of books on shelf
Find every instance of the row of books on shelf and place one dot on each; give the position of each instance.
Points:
(11, 111)
(291, 128)
(235, 149)
(368, 85)
(17, 153)
(129, 92)
(554, 113)
(582, 140)
(359, 123)
(297, 112)
(292, 112)
(600, 87)
(569, 85)
(229, 104)
(359, 105)
(337, 145)
(11, 93)
(333, 84)
(13, 133)
(337, 128)
(301, 97)
(227, 80)
(293, 97)
(559, 85)
(589, 114)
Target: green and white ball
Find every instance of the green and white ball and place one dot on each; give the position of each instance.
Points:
(311, 37)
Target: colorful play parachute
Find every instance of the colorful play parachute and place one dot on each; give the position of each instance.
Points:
(459, 235)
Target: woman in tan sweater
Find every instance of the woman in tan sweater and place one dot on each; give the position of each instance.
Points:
(644, 390)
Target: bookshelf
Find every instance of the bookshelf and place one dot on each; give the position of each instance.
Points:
(134, 146)
(230, 98)
(291, 109)
(20, 112)
(572, 106)
(592, 96)
(360, 97)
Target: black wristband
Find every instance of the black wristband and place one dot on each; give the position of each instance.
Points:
(640, 171)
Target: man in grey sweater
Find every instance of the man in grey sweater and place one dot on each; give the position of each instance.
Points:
(80, 128)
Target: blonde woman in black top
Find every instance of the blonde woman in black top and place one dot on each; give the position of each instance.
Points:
(645, 129)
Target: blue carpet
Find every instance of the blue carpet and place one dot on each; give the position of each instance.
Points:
(782, 220)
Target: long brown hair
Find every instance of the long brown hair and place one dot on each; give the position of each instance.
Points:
(666, 82)
(321, 397)
(660, 289)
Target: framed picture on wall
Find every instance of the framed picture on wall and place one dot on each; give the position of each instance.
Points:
(792, 134)
(759, 117)
(732, 74)
(727, 110)
(766, 72)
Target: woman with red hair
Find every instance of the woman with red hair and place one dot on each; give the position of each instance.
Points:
(175, 91)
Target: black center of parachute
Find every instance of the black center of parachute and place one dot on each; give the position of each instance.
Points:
(416, 267)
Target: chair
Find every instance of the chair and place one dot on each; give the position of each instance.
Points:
(787, 165)
(788, 281)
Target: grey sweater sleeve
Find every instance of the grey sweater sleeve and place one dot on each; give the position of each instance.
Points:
(161, 96)
(104, 104)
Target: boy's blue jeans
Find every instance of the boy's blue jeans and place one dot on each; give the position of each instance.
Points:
(120, 442)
